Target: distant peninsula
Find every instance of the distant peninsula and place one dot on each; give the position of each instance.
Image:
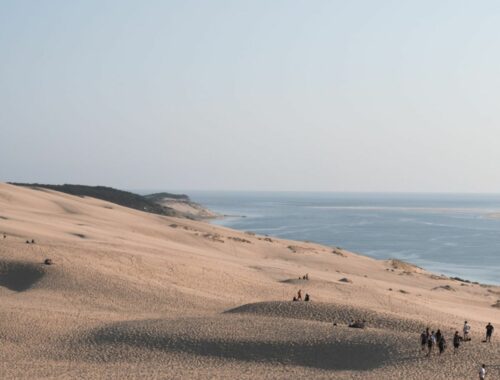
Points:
(169, 204)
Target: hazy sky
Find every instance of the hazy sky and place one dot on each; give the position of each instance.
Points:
(252, 95)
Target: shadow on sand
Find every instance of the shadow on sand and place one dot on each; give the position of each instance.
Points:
(19, 276)
(321, 354)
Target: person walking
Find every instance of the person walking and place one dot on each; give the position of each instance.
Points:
(431, 341)
(423, 339)
(441, 345)
(438, 335)
(489, 332)
(482, 372)
(466, 331)
(456, 341)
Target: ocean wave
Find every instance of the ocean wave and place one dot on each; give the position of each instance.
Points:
(456, 210)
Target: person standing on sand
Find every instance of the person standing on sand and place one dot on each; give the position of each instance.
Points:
(438, 335)
(423, 339)
(482, 372)
(431, 341)
(489, 332)
(299, 295)
(456, 341)
(441, 345)
(466, 331)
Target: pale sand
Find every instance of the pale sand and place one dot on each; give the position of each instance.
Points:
(136, 295)
(189, 208)
(494, 215)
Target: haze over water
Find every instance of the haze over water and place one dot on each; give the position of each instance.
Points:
(451, 234)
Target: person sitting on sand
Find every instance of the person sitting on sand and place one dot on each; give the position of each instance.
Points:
(466, 331)
(441, 345)
(431, 341)
(489, 332)
(456, 341)
(482, 372)
(306, 297)
(294, 299)
(299, 295)
(357, 324)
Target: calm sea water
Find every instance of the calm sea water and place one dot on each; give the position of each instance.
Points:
(450, 234)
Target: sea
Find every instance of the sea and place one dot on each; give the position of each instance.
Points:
(451, 234)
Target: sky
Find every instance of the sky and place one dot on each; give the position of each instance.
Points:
(384, 96)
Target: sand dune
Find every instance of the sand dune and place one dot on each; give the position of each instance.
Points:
(229, 338)
(137, 295)
(331, 313)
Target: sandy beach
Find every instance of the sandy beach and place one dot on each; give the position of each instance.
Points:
(494, 215)
(137, 295)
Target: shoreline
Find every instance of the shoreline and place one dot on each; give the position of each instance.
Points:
(426, 264)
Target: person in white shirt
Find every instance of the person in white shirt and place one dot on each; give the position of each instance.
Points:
(466, 331)
(482, 372)
(431, 342)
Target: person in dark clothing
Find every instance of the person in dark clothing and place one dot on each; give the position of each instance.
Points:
(456, 341)
(438, 335)
(306, 298)
(489, 331)
(441, 345)
(423, 340)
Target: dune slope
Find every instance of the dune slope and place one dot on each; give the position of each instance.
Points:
(137, 295)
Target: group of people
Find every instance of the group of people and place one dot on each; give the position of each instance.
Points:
(489, 332)
(298, 297)
(27, 241)
(430, 339)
